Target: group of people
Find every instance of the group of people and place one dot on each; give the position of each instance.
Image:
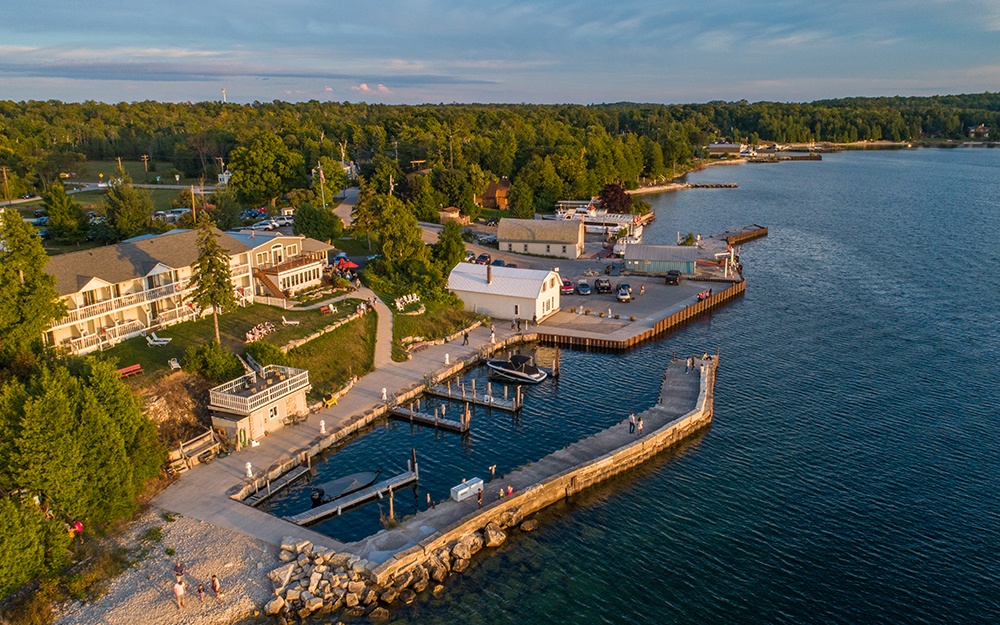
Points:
(635, 424)
(180, 586)
(365, 306)
(259, 331)
(704, 295)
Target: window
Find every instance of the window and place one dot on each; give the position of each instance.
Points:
(272, 413)
(564, 249)
(548, 248)
(525, 247)
(517, 310)
(510, 247)
(291, 250)
(261, 258)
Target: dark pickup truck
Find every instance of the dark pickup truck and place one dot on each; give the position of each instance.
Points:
(673, 277)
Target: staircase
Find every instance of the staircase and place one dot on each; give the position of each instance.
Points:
(268, 284)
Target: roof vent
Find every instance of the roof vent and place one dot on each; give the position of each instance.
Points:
(489, 274)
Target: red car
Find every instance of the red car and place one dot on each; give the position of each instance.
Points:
(567, 287)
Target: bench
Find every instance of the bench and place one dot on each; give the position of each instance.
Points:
(326, 310)
(329, 400)
(130, 371)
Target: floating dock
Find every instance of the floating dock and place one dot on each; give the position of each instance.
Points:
(338, 505)
(744, 234)
(276, 485)
(460, 393)
(433, 420)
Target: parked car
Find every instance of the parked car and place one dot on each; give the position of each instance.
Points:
(28, 196)
(40, 212)
(499, 263)
(45, 234)
(626, 286)
(470, 257)
(285, 220)
(623, 295)
(41, 221)
(511, 265)
(567, 287)
(583, 287)
(267, 224)
(483, 259)
(602, 285)
(487, 239)
(673, 277)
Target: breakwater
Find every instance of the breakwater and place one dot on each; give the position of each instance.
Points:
(395, 566)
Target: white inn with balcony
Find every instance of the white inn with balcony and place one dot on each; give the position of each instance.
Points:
(250, 407)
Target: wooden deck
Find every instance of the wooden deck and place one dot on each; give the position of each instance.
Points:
(276, 485)
(337, 506)
(433, 420)
(460, 393)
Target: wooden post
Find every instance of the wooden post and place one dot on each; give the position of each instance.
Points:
(392, 512)
(413, 457)
(489, 389)
(505, 389)
(473, 387)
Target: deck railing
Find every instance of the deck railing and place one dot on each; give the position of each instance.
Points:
(106, 337)
(226, 396)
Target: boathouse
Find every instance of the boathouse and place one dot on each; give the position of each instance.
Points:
(541, 237)
(258, 403)
(659, 259)
(720, 149)
(506, 292)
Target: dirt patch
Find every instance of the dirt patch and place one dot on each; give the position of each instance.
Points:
(178, 405)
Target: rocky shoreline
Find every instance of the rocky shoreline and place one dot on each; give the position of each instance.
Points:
(315, 581)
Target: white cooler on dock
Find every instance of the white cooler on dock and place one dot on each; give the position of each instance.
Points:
(468, 488)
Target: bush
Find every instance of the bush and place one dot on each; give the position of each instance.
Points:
(213, 362)
(267, 354)
(153, 534)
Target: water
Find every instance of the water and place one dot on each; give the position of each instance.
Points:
(849, 474)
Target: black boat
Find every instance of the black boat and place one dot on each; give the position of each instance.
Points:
(328, 491)
(517, 369)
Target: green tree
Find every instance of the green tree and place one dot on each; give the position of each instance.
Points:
(267, 354)
(32, 545)
(450, 248)
(213, 361)
(67, 219)
(227, 209)
(264, 168)
(317, 223)
(128, 210)
(211, 278)
(332, 182)
(399, 232)
(521, 200)
(28, 298)
(423, 199)
(364, 214)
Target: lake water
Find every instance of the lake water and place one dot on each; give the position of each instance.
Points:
(850, 472)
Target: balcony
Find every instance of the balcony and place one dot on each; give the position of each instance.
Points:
(253, 391)
(107, 337)
(290, 265)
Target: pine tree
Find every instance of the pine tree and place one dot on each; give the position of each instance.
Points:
(212, 280)
(67, 220)
(129, 210)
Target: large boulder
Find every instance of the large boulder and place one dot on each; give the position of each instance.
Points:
(402, 580)
(369, 596)
(351, 600)
(273, 608)
(444, 555)
(529, 525)
(281, 576)
(378, 614)
(314, 581)
(460, 551)
(493, 536)
(511, 517)
(407, 596)
(475, 542)
(286, 555)
(314, 604)
(356, 587)
(292, 595)
(459, 565)
(303, 546)
(420, 574)
(288, 543)
(436, 569)
(389, 595)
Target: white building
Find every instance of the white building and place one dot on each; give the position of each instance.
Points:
(541, 237)
(256, 404)
(506, 292)
(284, 263)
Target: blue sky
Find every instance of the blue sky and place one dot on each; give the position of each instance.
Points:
(416, 51)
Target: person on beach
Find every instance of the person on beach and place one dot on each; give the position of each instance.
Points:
(179, 571)
(216, 587)
(179, 593)
(201, 592)
(631, 423)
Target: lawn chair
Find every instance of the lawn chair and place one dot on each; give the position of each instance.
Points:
(159, 340)
(155, 343)
(286, 322)
(174, 365)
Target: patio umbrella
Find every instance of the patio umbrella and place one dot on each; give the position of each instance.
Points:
(350, 265)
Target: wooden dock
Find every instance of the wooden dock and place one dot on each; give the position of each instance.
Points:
(413, 415)
(276, 485)
(469, 395)
(747, 233)
(338, 505)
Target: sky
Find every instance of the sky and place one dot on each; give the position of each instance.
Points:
(542, 51)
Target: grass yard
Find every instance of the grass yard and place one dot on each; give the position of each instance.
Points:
(233, 327)
(440, 319)
(356, 247)
(135, 170)
(335, 357)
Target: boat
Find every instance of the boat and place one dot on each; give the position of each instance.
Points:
(517, 369)
(328, 491)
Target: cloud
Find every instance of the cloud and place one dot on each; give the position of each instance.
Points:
(380, 89)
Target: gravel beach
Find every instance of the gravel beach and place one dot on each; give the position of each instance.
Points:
(144, 593)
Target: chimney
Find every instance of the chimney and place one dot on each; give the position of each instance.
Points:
(489, 274)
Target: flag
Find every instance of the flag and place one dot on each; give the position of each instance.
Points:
(322, 178)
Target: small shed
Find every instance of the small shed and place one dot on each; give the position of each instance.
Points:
(453, 214)
(506, 292)
(256, 404)
(659, 259)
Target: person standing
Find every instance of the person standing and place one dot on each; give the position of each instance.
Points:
(479, 498)
(465, 338)
(639, 426)
(179, 571)
(631, 423)
(493, 336)
(201, 592)
(179, 593)
(216, 587)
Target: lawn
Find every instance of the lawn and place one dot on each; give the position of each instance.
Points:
(356, 247)
(335, 357)
(135, 169)
(439, 320)
(233, 327)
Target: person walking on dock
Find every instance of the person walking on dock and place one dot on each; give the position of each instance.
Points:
(493, 336)
(479, 498)
(631, 423)
(465, 338)
(639, 426)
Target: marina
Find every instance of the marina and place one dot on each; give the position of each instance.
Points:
(414, 417)
(487, 399)
(337, 506)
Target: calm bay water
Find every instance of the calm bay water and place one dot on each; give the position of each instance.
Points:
(850, 472)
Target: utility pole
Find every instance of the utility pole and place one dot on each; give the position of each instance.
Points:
(194, 209)
(322, 183)
(119, 163)
(145, 164)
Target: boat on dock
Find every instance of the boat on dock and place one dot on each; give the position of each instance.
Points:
(328, 491)
(517, 369)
